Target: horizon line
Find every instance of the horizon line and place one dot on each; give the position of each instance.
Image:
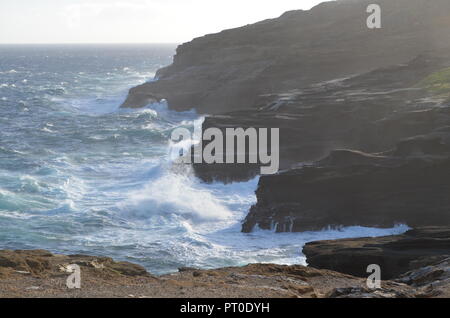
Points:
(93, 43)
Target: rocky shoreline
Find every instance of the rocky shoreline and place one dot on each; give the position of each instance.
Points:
(364, 119)
(364, 134)
(417, 264)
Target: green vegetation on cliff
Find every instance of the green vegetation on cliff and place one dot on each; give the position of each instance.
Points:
(438, 83)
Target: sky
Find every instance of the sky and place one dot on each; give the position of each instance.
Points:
(131, 21)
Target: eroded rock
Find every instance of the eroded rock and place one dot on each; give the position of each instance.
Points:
(396, 255)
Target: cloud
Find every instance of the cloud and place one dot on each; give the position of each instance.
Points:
(94, 21)
(75, 14)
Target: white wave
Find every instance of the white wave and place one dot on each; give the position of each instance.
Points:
(47, 130)
(177, 194)
(9, 72)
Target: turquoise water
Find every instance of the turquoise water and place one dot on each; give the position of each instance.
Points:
(80, 175)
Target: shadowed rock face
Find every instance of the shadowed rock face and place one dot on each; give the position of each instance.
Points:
(229, 71)
(397, 174)
(371, 112)
(422, 248)
(414, 192)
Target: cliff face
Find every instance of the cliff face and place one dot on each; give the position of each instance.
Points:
(328, 83)
(400, 177)
(370, 112)
(413, 192)
(230, 70)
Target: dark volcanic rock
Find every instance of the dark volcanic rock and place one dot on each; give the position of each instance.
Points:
(363, 292)
(413, 192)
(370, 112)
(423, 248)
(398, 174)
(433, 279)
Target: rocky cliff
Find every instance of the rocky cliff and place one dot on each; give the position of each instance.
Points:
(369, 112)
(329, 83)
(231, 70)
(414, 192)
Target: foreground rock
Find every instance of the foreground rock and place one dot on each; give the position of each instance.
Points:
(43, 274)
(424, 253)
(433, 280)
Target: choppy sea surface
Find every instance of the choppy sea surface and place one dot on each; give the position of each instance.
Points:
(80, 175)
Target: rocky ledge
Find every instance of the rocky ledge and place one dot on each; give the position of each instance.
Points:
(415, 264)
(419, 258)
(396, 254)
(43, 274)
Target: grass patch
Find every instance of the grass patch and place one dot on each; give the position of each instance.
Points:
(438, 83)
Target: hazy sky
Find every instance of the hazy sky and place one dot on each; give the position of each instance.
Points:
(123, 21)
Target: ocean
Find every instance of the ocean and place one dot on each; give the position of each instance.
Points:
(79, 175)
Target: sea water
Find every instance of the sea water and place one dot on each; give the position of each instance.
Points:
(79, 175)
